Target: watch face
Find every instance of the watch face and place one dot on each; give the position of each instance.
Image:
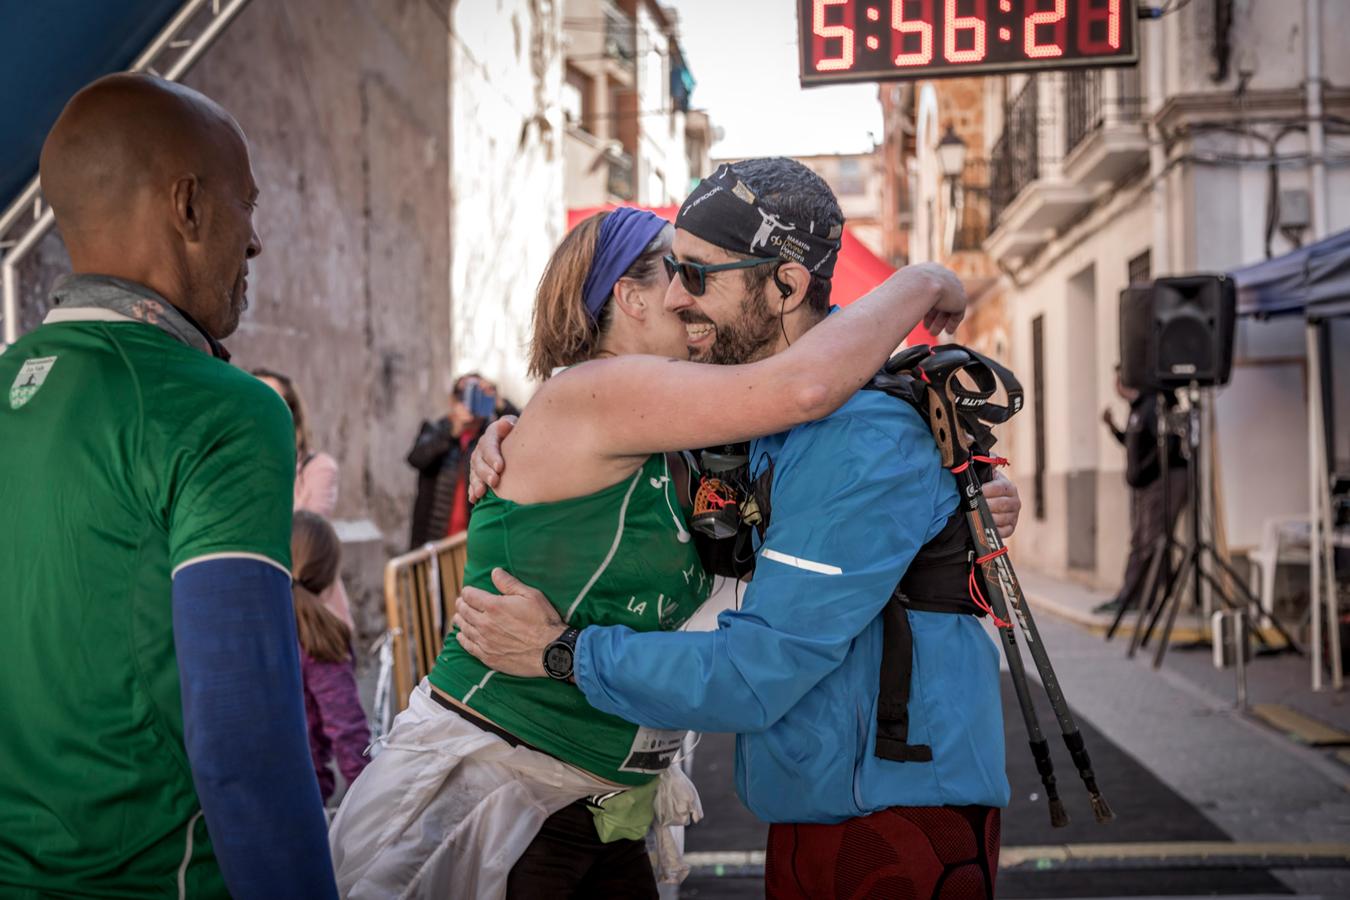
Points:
(558, 661)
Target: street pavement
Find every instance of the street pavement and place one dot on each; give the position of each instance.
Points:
(1177, 761)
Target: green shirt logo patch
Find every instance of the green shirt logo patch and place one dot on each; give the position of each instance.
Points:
(29, 379)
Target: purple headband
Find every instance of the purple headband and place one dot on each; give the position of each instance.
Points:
(624, 234)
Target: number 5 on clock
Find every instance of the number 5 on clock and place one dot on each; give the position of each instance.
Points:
(820, 33)
(902, 26)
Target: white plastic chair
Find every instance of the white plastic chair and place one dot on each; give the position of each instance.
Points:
(1284, 540)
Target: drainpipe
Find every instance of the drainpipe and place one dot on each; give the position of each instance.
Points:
(1154, 62)
(1312, 17)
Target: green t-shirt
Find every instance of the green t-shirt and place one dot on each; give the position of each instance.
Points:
(124, 454)
(620, 556)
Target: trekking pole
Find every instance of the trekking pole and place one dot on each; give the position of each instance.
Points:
(1004, 590)
(951, 441)
(945, 396)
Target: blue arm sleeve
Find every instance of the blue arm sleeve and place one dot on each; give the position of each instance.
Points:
(852, 504)
(244, 725)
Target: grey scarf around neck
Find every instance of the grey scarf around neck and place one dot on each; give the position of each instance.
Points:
(135, 301)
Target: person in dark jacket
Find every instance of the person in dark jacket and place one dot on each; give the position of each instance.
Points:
(1149, 513)
(441, 457)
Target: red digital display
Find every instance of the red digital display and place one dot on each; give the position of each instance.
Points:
(888, 40)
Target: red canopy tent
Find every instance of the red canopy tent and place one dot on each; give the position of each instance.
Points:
(857, 271)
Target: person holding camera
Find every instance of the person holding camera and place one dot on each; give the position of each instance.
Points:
(441, 457)
(1156, 495)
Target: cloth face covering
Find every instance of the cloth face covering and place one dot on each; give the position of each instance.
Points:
(723, 210)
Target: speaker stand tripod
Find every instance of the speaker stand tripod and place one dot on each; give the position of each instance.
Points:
(1199, 558)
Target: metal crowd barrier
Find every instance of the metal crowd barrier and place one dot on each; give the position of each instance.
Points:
(420, 588)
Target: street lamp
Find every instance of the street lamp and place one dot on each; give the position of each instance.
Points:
(951, 151)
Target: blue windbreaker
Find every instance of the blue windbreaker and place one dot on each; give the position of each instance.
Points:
(794, 671)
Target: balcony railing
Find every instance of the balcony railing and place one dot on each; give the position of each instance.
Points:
(1015, 159)
(1082, 106)
(620, 180)
(1093, 98)
(620, 36)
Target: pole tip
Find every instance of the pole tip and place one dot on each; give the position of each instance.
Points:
(1059, 816)
(1100, 810)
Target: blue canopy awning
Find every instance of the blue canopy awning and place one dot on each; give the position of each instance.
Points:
(49, 50)
(1313, 281)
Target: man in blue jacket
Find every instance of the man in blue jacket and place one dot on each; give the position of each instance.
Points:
(794, 672)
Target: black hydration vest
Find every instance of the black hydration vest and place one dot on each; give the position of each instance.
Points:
(936, 581)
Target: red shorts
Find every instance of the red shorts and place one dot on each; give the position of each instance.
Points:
(914, 853)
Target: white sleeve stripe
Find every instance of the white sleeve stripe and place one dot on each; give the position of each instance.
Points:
(796, 562)
(210, 556)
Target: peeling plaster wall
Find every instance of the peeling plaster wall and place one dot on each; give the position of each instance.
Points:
(506, 65)
(344, 104)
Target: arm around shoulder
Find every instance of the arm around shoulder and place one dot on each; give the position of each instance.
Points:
(643, 404)
(815, 589)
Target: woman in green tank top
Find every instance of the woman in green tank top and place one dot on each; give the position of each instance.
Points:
(589, 512)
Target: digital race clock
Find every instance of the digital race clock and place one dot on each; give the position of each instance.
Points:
(885, 40)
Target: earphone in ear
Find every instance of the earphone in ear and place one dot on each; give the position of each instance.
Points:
(786, 290)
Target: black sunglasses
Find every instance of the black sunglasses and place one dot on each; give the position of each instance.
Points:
(694, 276)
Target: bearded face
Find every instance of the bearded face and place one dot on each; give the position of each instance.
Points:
(747, 335)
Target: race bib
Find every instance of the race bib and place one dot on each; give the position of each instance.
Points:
(652, 750)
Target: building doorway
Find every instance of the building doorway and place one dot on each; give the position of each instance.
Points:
(1083, 358)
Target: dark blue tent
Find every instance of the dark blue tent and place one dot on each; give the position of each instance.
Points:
(49, 49)
(1313, 281)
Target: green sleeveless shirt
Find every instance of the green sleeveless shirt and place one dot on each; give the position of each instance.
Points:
(619, 556)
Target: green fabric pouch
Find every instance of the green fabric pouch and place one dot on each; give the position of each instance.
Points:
(626, 814)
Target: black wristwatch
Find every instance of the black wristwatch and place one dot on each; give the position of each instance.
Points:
(559, 655)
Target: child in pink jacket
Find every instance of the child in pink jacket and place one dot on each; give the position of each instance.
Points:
(337, 724)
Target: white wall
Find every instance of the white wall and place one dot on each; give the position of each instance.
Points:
(1262, 424)
(1340, 391)
(1081, 350)
(1268, 41)
(1084, 307)
(1262, 447)
(663, 173)
(926, 179)
(506, 182)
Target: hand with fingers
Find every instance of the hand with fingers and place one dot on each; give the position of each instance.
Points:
(951, 302)
(486, 463)
(509, 631)
(1004, 503)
